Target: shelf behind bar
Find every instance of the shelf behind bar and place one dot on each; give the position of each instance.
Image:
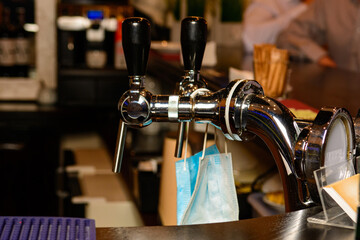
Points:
(19, 89)
(83, 72)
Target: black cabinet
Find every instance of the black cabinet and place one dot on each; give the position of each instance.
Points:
(91, 87)
(29, 155)
(30, 135)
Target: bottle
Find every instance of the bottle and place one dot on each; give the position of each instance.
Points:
(119, 59)
(7, 45)
(22, 45)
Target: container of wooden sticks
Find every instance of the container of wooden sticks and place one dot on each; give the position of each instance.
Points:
(270, 69)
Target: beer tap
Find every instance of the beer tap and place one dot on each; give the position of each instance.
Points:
(134, 105)
(240, 111)
(193, 42)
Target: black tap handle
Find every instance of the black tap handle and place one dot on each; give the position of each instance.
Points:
(193, 41)
(136, 44)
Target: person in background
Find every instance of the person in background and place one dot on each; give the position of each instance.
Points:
(265, 19)
(328, 34)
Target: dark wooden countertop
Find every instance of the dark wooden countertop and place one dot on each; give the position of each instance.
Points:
(319, 86)
(286, 226)
(312, 84)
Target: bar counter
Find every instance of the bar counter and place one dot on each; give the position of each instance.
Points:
(319, 86)
(311, 84)
(286, 226)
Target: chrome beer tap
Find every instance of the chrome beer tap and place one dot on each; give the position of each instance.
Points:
(193, 42)
(240, 111)
(134, 105)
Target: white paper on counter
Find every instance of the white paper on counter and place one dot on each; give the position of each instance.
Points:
(235, 73)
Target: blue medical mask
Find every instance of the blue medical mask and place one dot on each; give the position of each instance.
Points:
(186, 174)
(214, 198)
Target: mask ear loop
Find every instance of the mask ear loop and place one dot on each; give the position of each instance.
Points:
(192, 96)
(215, 137)
(225, 145)
(225, 140)
(186, 142)
(205, 142)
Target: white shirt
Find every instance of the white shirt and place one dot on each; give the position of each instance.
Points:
(327, 28)
(265, 19)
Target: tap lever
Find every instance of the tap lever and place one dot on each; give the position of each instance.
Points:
(120, 147)
(136, 43)
(180, 140)
(193, 42)
(134, 104)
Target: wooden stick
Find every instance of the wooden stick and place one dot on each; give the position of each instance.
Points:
(277, 78)
(262, 63)
(256, 63)
(283, 73)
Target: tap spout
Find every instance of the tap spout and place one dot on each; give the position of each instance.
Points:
(276, 126)
(245, 110)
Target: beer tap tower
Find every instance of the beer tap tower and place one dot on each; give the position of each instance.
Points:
(240, 111)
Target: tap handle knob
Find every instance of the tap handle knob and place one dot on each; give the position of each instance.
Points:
(136, 44)
(193, 42)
